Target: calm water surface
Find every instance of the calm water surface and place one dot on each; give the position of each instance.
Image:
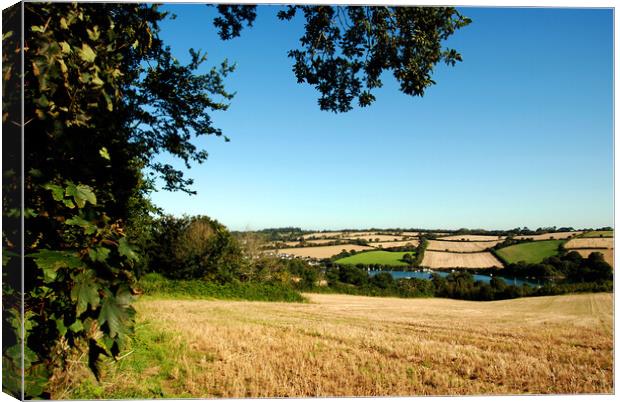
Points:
(427, 275)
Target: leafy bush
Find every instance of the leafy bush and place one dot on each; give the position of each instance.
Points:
(154, 284)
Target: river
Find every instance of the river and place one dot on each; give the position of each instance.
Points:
(483, 278)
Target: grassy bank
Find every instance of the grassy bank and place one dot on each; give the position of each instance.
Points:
(158, 286)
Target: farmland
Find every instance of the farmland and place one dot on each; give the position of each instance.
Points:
(590, 242)
(533, 252)
(608, 254)
(390, 258)
(460, 246)
(438, 259)
(550, 236)
(599, 233)
(387, 244)
(338, 345)
(321, 252)
(471, 237)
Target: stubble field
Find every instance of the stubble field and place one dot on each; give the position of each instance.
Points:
(321, 252)
(460, 246)
(590, 242)
(339, 345)
(439, 259)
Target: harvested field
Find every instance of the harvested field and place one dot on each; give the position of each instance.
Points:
(339, 345)
(608, 254)
(471, 237)
(550, 236)
(322, 235)
(590, 242)
(307, 242)
(321, 252)
(358, 234)
(373, 238)
(460, 246)
(387, 244)
(439, 259)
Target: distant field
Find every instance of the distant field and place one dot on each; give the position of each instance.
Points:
(460, 246)
(339, 345)
(374, 237)
(321, 235)
(608, 254)
(533, 252)
(321, 252)
(387, 244)
(439, 259)
(550, 236)
(392, 258)
(590, 242)
(471, 237)
(599, 233)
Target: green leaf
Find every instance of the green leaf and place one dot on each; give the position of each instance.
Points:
(89, 227)
(104, 153)
(50, 261)
(99, 253)
(76, 326)
(60, 326)
(37, 28)
(85, 292)
(116, 315)
(7, 35)
(57, 191)
(125, 249)
(68, 203)
(81, 193)
(86, 53)
(65, 47)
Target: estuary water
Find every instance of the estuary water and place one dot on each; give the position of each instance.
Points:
(483, 278)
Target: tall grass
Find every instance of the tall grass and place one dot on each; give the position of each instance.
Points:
(154, 284)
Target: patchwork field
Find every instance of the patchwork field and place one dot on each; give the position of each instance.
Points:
(550, 236)
(340, 345)
(438, 259)
(460, 246)
(590, 242)
(321, 252)
(608, 254)
(471, 237)
(412, 242)
(599, 233)
(533, 252)
(393, 258)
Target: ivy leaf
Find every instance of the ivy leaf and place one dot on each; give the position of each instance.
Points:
(50, 261)
(104, 153)
(57, 191)
(85, 292)
(86, 53)
(125, 249)
(60, 326)
(81, 193)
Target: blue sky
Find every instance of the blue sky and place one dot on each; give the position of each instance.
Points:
(518, 134)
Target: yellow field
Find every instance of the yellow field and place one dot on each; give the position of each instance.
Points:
(549, 236)
(438, 259)
(590, 242)
(471, 237)
(320, 252)
(460, 246)
(386, 244)
(340, 345)
(608, 254)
